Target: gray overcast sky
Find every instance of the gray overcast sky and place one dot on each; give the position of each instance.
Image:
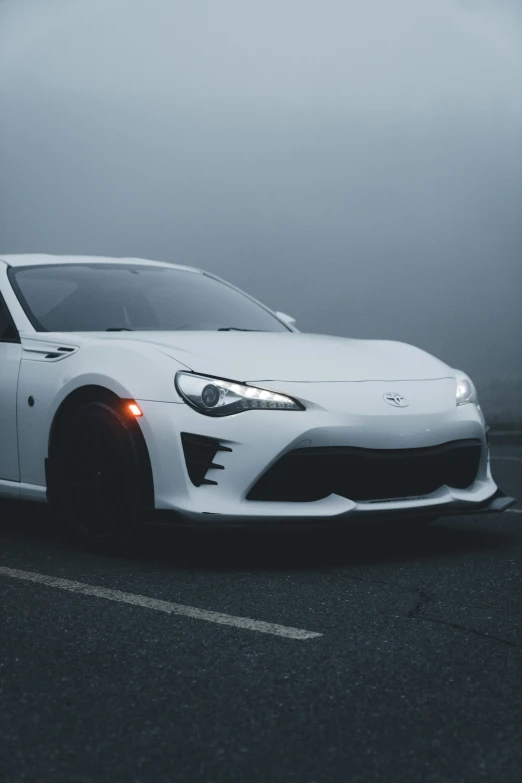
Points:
(358, 164)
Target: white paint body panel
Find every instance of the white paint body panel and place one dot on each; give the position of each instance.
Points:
(296, 357)
(340, 381)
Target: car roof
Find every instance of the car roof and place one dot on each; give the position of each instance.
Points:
(39, 259)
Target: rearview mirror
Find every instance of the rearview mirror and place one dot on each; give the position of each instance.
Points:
(287, 319)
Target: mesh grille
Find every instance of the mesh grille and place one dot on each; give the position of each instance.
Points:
(368, 474)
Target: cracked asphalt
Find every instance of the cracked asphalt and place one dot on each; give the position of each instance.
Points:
(417, 675)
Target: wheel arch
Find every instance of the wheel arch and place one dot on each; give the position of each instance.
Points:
(80, 396)
(96, 393)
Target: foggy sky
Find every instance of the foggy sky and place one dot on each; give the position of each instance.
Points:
(357, 164)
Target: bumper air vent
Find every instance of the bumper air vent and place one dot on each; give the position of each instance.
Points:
(368, 474)
(199, 452)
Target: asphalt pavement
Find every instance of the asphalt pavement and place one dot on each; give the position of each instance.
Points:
(265, 656)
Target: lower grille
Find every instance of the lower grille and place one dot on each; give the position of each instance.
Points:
(199, 454)
(368, 474)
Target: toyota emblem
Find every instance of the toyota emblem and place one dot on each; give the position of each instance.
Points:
(397, 400)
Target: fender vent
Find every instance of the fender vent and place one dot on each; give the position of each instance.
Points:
(59, 352)
(199, 452)
(42, 351)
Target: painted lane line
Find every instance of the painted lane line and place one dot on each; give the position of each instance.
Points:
(514, 510)
(160, 606)
(509, 459)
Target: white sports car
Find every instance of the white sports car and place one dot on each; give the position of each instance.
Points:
(132, 388)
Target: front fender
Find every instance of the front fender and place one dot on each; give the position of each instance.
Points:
(129, 371)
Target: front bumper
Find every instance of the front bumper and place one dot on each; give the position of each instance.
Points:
(340, 414)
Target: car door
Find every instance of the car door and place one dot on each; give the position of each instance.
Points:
(10, 358)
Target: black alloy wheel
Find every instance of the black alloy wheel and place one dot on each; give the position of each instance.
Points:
(99, 483)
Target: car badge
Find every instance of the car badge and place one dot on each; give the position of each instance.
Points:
(397, 400)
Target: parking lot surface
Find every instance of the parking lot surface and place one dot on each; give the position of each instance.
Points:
(310, 655)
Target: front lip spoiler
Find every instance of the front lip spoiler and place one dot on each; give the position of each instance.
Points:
(494, 504)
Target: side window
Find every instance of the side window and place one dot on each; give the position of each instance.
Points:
(8, 333)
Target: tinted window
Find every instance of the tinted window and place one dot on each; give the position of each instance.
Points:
(95, 297)
(8, 332)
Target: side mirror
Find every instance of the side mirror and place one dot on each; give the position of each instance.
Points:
(287, 319)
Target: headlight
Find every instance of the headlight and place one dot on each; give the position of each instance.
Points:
(466, 392)
(215, 397)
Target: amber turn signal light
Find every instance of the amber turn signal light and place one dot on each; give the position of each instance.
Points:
(134, 409)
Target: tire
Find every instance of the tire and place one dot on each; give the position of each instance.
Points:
(99, 481)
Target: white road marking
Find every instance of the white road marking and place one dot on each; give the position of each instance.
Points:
(160, 606)
(514, 510)
(510, 459)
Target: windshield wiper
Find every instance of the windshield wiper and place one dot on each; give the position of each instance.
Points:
(221, 329)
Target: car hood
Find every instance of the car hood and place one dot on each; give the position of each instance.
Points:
(275, 356)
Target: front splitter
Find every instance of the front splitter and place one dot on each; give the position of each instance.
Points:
(496, 503)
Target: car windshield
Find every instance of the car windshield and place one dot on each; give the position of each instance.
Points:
(103, 296)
